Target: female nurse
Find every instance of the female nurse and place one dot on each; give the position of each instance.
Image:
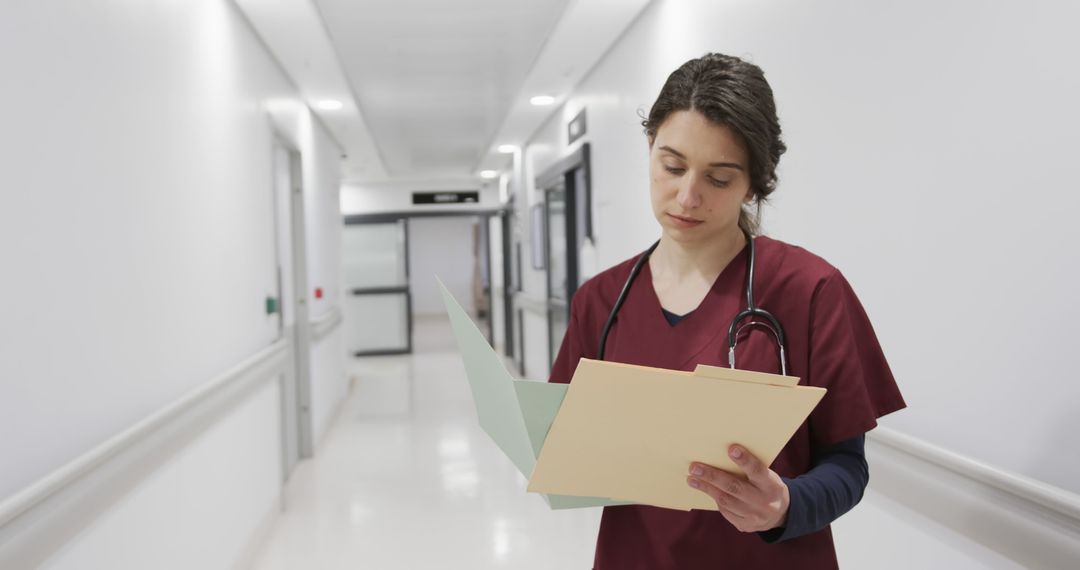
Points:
(714, 145)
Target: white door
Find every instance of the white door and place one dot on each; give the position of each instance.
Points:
(378, 312)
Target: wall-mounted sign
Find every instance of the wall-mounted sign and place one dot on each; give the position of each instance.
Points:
(445, 197)
(576, 128)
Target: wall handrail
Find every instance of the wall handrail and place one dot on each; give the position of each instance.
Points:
(1062, 501)
(326, 324)
(24, 502)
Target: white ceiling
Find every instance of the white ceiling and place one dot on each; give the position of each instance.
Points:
(430, 87)
(434, 78)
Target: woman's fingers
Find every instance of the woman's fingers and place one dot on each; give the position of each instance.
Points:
(755, 470)
(724, 500)
(732, 485)
(758, 502)
(736, 511)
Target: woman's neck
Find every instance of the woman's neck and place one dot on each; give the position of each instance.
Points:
(679, 261)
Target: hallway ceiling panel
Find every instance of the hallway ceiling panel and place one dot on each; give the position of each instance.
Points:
(434, 79)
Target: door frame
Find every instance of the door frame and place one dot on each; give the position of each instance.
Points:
(563, 172)
(290, 231)
(509, 285)
(302, 320)
(485, 216)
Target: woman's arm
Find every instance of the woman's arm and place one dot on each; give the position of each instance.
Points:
(831, 488)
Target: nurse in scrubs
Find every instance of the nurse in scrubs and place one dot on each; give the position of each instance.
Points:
(714, 145)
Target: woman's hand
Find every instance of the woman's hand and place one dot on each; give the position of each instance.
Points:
(756, 504)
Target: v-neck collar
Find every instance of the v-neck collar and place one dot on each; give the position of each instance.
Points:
(737, 264)
(709, 320)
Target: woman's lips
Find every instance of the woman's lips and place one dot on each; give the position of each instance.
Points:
(682, 222)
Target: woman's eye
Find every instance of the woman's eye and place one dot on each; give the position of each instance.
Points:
(673, 169)
(720, 183)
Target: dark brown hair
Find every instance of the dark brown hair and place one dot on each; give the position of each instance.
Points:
(732, 92)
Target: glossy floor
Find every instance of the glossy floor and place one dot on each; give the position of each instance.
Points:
(406, 479)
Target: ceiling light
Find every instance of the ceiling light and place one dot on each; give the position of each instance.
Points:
(542, 100)
(507, 149)
(489, 174)
(329, 105)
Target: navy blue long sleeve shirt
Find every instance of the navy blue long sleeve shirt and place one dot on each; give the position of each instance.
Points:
(831, 488)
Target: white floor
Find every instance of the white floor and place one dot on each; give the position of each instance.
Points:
(405, 478)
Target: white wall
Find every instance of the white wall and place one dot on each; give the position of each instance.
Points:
(929, 159)
(538, 355)
(913, 541)
(329, 381)
(323, 222)
(137, 229)
(443, 247)
(323, 230)
(200, 508)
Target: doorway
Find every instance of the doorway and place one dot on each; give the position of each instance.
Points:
(378, 303)
(567, 224)
(380, 249)
(290, 244)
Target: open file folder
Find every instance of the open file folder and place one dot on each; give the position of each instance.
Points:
(516, 414)
(622, 434)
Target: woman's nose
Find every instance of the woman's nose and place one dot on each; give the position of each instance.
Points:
(689, 196)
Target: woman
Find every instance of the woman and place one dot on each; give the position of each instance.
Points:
(714, 144)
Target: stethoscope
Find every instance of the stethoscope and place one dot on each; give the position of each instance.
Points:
(771, 323)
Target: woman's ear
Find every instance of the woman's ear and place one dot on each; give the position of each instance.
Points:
(749, 196)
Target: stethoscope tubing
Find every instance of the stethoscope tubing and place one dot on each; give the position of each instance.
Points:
(771, 322)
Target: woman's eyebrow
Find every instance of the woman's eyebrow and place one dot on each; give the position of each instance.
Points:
(713, 164)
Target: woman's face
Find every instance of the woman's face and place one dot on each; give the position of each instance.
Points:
(699, 178)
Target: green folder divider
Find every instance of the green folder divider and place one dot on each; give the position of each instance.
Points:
(516, 414)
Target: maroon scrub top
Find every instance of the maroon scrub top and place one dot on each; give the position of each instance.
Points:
(830, 343)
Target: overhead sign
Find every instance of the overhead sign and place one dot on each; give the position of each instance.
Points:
(445, 197)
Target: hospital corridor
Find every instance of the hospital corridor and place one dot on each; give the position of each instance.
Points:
(538, 285)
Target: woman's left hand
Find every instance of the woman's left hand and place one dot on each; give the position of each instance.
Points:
(755, 504)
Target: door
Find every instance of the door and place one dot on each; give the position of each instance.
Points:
(560, 265)
(378, 305)
(567, 223)
(482, 277)
(302, 321)
(509, 283)
(295, 380)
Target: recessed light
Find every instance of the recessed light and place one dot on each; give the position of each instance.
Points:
(489, 174)
(542, 100)
(329, 105)
(507, 149)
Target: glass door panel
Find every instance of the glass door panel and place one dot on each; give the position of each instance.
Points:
(375, 255)
(377, 323)
(556, 250)
(558, 301)
(378, 305)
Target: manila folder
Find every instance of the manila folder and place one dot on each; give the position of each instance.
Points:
(630, 432)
